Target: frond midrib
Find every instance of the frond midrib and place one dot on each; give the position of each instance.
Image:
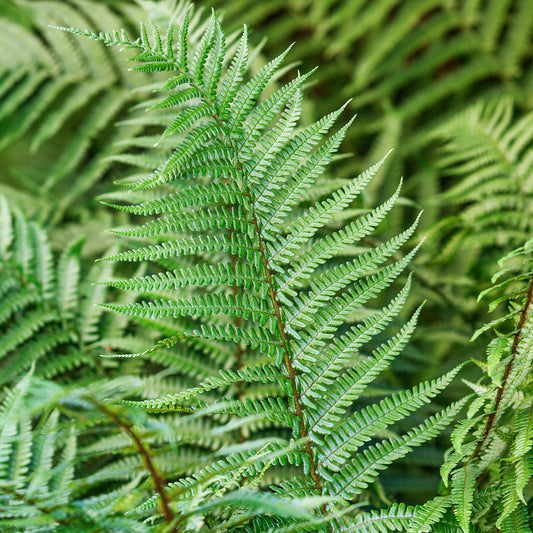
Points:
(287, 355)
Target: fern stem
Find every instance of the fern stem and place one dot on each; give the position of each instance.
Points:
(158, 481)
(287, 360)
(491, 419)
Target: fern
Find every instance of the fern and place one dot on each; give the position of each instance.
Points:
(48, 440)
(412, 66)
(284, 294)
(492, 154)
(49, 322)
(38, 475)
(45, 309)
(492, 446)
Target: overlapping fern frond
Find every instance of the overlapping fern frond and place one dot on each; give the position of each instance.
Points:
(492, 154)
(253, 274)
(410, 66)
(51, 435)
(491, 463)
(52, 85)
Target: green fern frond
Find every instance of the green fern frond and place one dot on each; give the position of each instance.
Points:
(269, 277)
(396, 518)
(48, 317)
(492, 445)
(491, 153)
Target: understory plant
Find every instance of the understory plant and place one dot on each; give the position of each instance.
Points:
(254, 268)
(240, 371)
(487, 474)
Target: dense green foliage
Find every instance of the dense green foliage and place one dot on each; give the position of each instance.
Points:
(245, 355)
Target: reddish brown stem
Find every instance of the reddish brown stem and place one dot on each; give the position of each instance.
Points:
(287, 360)
(158, 481)
(491, 418)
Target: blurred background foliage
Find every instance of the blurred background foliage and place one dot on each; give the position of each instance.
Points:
(446, 84)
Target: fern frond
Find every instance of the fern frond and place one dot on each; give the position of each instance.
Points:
(306, 281)
(492, 155)
(492, 445)
(47, 315)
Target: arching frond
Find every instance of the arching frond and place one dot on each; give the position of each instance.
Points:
(265, 275)
(492, 154)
